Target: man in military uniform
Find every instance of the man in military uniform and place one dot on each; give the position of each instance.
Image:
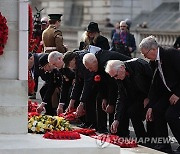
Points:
(53, 79)
(52, 36)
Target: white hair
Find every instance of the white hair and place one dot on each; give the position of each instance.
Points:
(54, 55)
(113, 65)
(89, 58)
(44, 19)
(123, 22)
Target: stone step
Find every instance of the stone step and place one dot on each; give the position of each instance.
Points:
(36, 144)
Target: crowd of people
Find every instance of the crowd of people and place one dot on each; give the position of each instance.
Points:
(102, 80)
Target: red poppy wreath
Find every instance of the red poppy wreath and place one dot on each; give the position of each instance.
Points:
(3, 33)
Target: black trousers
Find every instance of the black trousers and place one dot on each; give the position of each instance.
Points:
(159, 110)
(173, 118)
(46, 93)
(90, 108)
(101, 115)
(136, 112)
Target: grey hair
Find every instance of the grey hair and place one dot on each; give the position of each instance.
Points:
(89, 58)
(149, 43)
(54, 56)
(113, 65)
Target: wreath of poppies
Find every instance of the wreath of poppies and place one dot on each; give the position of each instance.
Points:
(3, 33)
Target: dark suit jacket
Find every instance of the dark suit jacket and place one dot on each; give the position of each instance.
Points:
(82, 89)
(52, 80)
(170, 63)
(35, 68)
(177, 43)
(108, 86)
(135, 87)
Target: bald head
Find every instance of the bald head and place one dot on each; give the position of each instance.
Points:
(90, 62)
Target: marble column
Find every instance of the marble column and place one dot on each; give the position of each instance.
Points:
(13, 69)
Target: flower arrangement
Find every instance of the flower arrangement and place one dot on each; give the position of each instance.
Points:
(31, 83)
(3, 33)
(44, 123)
(86, 131)
(114, 139)
(32, 106)
(62, 135)
(70, 116)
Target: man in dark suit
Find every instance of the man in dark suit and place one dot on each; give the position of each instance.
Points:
(53, 79)
(56, 58)
(164, 102)
(107, 86)
(33, 62)
(84, 89)
(133, 79)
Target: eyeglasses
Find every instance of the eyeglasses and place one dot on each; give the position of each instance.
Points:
(122, 26)
(145, 54)
(116, 75)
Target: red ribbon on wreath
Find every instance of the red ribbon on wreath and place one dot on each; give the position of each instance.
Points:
(3, 33)
(114, 139)
(62, 135)
(70, 116)
(86, 131)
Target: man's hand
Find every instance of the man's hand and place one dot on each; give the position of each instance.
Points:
(146, 101)
(40, 108)
(130, 49)
(70, 106)
(114, 126)
(59, 109)
(110, 108)
(104, 104)
(173, 99)
(80, 110)
(149, 115)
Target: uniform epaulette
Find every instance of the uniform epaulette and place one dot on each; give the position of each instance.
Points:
(57, 30)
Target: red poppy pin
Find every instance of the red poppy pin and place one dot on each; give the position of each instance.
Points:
(97, 78)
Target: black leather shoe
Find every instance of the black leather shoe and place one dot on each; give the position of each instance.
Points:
(103, 131)
(177, 151)
(164, 148)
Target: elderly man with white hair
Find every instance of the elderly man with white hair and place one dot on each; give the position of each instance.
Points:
(108, 87)
(133, 79)
(123, 41)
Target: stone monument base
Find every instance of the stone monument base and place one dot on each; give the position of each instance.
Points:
(36, 144)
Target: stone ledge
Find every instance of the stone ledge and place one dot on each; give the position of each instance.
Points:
(33, 143)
